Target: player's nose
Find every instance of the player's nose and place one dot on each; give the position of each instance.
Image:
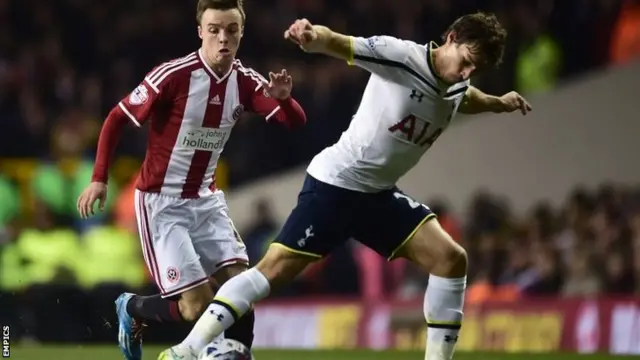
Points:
(223, 37)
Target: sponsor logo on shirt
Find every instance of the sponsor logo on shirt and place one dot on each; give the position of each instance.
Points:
(199, 138)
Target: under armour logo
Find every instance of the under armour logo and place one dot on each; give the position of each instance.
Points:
(219, 316)
(415, 94)
(451, 338)
(307, 234)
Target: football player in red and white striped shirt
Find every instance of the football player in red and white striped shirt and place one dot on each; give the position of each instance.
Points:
(191, 104)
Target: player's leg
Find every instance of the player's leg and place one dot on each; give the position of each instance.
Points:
(446, 262)
(235, 298)
(415, 234)
(184, 307)
(242, 330)
(189, 305)
(173, 263)
(315, 226)
(222, 254)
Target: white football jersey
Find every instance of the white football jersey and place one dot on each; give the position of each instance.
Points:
(403, 110)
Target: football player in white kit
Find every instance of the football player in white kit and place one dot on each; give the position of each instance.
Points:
(350, 190)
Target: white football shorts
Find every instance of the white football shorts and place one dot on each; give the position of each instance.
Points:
(185, 241)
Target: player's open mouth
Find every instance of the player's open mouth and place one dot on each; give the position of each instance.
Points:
(225, 51)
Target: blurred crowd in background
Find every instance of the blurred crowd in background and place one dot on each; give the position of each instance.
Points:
(65, 63)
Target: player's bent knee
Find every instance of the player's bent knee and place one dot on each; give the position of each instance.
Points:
(436, 252)
(227, 272)
(280, 266)
(194, 302)
(454, 262)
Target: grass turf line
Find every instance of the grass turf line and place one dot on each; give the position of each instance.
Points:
(151, 353)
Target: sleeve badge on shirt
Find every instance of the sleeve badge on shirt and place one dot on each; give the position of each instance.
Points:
(376, 41)
(139, 95)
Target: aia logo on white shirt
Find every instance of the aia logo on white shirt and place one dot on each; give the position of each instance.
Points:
(139, 95)
(414, 130)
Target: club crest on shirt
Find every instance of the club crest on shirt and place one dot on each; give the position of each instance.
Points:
(139, 95)
(237, 112)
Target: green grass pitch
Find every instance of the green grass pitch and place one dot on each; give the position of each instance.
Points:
(151, 353)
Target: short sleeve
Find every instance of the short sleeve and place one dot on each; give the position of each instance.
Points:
(401, 61)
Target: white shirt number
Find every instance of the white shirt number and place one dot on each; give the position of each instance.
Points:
(414, 204)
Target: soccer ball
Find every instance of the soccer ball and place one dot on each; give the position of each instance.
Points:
(225, 349)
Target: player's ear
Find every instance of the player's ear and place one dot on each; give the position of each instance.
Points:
(451, 37)
(200, 31)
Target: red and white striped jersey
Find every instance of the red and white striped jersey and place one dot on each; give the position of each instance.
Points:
(191, 111)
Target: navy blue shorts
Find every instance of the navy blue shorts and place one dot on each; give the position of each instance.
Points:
(327, 216)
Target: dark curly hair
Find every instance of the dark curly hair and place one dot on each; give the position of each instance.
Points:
(484, 35)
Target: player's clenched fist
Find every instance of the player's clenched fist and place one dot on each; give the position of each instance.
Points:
(303, 33)
(513, 101)
(86, 200)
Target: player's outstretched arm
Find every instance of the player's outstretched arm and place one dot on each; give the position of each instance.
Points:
(320, 39)
(385, 56)
(475, 101)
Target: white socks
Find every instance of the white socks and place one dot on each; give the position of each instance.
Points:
(443, 304)
(234, 299)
